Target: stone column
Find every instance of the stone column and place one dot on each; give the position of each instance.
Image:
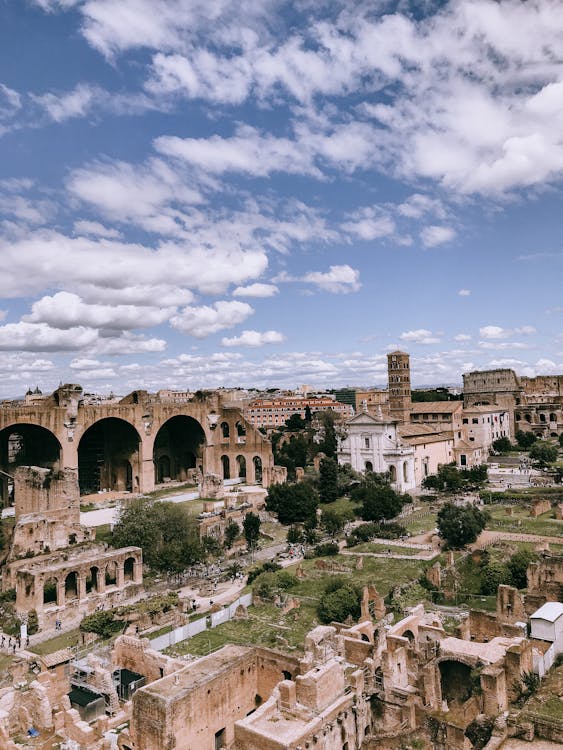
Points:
(101, 580)
(81, 585)
(60, 592)
(146, 464)
(120, 577)
(138, 571)
(69, 448)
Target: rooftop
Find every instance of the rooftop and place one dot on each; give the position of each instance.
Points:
(551, 611)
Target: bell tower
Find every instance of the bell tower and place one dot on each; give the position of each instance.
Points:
(399, 376)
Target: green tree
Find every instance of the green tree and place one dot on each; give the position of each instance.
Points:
(379, 501)
(329, 441)
(543, 452)
(502, 445)
(338, 603)
(165, 532)
(294, 535)
(291, 453)
(525, 440)
(493, 573)
(102, 623)
(308, 415)
(232, 533)
(561, 439)
(251, 528)
(295, 422)
(347, 479)
(518, 566)
(332, 521)
(459, 526)
(293, 503)
(328, 480)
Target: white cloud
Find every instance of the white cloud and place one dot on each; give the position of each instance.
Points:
(435, 235)
(464, 292)
(420, 336)
(254, 339)
(338, 279)
(51, 260)
(256, 290)
(39, 337)
(75, 103)
(206, 320)
(462, 337)
(497, 332)
(65, 310)
(417, 205)
(95, 229)
(369, 224)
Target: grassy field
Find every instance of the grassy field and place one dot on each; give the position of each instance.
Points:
(521, 522)
(419, 525)
(266, 622)
(548, 700)
(65, 640)
(383, 548)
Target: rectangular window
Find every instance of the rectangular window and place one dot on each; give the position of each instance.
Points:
(465, 420)
(366, 442)
(475, 420)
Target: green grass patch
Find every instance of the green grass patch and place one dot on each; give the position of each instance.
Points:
(419, 524)
(384, 548)
(520, 522)
(104, 533)
(342, 505)
(65, 640)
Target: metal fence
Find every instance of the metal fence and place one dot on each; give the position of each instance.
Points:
(198, 626)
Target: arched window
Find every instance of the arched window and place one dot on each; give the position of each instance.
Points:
(257, 469)
(71, 586)
(542, 418)
(527, 417)
(50, 591)
(226, 464)
(405, 472)
(369, 466)
(553, 417)
(92, 580)
(517, 416)
(111, 574)
(225, 431)
(241, 467)
(392, 474)
(129, 569)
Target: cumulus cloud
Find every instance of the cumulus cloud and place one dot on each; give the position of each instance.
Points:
(338, 279)
(420, 336)
(498, 332)
(256, 290)
(462, 337)
(65, 310)
(254, 339)
(40, 337)
(369, 224)
(436, 235)
(206, 320)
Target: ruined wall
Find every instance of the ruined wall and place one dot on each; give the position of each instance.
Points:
(270, 668)
(185, 711)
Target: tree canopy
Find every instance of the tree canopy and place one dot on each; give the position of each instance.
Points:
(460, 525)
(339, 601)
(328, 480)
(451, 479)
(378, 499)
(251, 528)
(543, 452)
(293, 503)
(525, 439)
(164, 531)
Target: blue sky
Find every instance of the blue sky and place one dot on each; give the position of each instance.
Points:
(268, 193)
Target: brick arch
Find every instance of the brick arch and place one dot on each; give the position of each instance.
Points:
(109, 455)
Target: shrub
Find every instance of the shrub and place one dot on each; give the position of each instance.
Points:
(32, 622)
(267, 567)
(339, 604)
(328, 549)
(101, 623)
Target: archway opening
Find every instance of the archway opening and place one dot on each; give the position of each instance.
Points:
(553, 417)
(111, 574)
(542, 418)
(71, 586)
(455, 681)
(226, 466)
(181, 439)
(129, 569)
(392, 474)
(163, 473)
(106, 454)
(409, 635)
(26, 445)
(92, 580)
(368, 466)
(241, 467)
(405, 472)
(257, 469)
(50, 591)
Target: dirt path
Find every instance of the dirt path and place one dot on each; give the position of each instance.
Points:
(488, 537)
